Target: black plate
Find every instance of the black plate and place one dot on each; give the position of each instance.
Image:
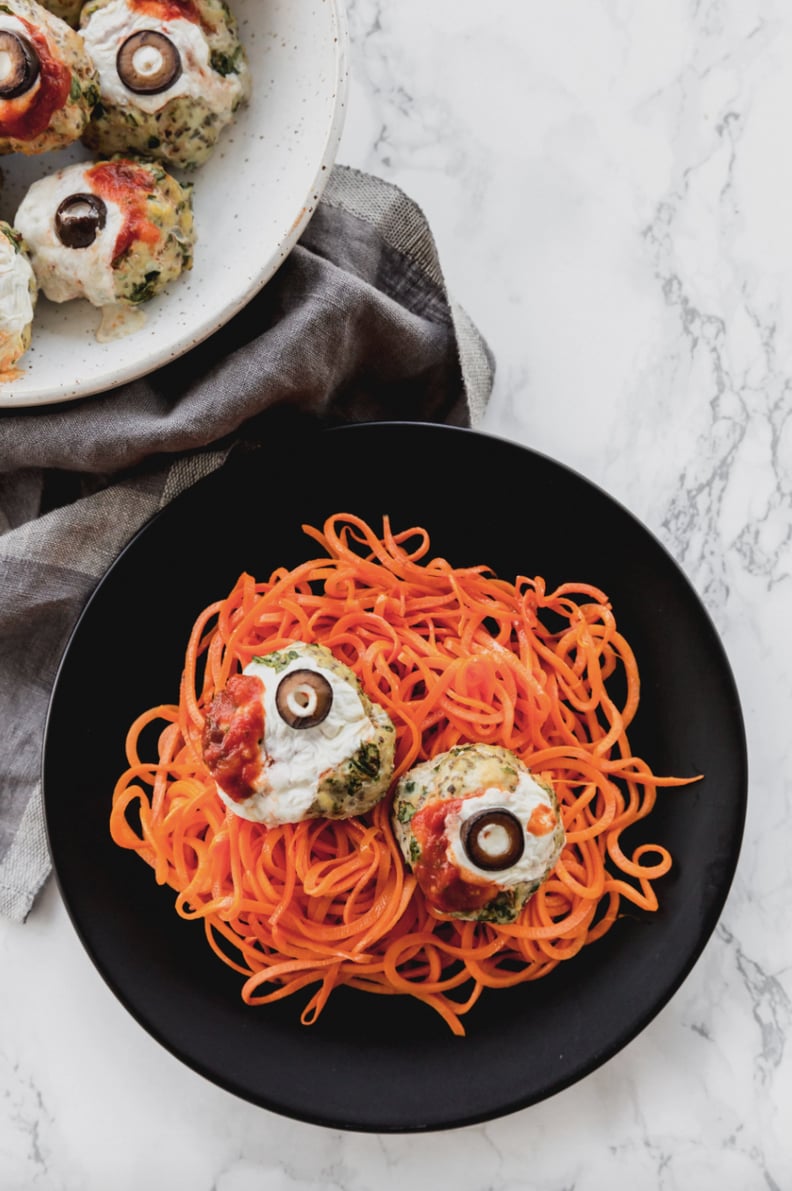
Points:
(373, 1063)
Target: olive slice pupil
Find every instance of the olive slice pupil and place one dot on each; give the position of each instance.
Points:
(78, 220)
(304, 698)
(493, 839)
(19, 65)
(148, 62)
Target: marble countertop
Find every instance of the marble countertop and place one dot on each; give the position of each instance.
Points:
(607, 182)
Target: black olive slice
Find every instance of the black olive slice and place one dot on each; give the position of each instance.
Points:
(148, 62)
(493, 839)
(79, 218)
(19, 65)
(304, 698)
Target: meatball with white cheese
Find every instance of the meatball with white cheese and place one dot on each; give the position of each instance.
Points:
(114, 232)
(18, 294)
(172, 74)
(48, 84)
(479, 831)
(294, 737)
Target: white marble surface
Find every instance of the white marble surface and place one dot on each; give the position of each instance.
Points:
(610, 184)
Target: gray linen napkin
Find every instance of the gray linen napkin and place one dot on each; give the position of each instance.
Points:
(357, 325)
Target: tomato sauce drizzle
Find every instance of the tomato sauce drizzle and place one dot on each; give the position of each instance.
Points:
(28, 115)
(168, 10)
(233, 732)
(128, 186)
(438, 876)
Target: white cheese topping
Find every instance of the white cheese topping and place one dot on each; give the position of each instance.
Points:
(109, 27)
(541, 851)
(296, 758)
(16, 302)
(65, 273)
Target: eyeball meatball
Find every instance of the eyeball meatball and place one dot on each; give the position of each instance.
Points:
(479, 831)
(67, 10)
(48, 86)
(114, 231)
(18, 293)
(295, 737)
(172, 74)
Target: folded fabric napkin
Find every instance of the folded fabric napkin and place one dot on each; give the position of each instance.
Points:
(356, 325)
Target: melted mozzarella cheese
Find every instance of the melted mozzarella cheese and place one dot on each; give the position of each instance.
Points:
(540, 851)
(118, 321)
(294, 759)
(65, 273)
(109, 27)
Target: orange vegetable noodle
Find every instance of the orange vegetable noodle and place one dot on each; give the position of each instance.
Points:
(454, 655)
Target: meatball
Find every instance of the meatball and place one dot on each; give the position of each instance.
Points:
(67, 10)
(48, 85)
(479, 831)
(115, 231)
(172, 74)
(294, 737)
(18, 294)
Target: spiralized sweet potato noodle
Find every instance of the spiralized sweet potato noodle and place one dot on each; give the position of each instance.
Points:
(454, 655)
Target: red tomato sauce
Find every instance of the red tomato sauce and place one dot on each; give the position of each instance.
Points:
(233, 732)
(168, 10)
(439, 877)
(27, 116)
(127, 185)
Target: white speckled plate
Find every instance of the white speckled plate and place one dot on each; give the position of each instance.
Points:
(252, 200)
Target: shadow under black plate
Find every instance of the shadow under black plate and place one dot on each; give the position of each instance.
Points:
(371, 1063)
